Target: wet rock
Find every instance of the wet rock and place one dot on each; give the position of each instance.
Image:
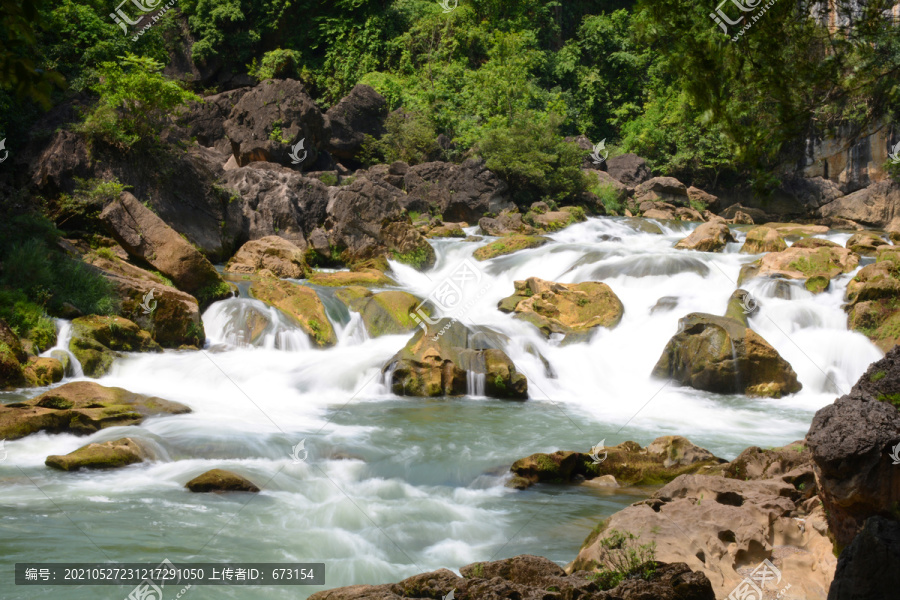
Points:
(814, 266)
(508, 245)
(270, 118)
(361, 277)
(865, 243)
(384, 313)
(741, 305)
(551, 221)
(146, 237)
(299, 302)
(869, 568)
(219, 480)
(448, 230)
(629, 169)
(81, 408)
(436, 362)
(666, 303)
(97, 341)
(43, 371)
(719, 354)
(763, 239)
(106, 455)
(362, 112)
(276, 254)
(572, 309)
(708, 237)
(872, 299)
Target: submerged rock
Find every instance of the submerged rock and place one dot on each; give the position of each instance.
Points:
(436, 362)
(105, 455)
(97, 341)
(573, 309)
(219, 480)
(719, 354)
(300, 303)
(81, 408)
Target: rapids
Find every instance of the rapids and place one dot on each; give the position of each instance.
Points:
(395, 486)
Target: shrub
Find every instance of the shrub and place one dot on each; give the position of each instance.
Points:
(27, 319)
(623, 558)
(408, 137)
(277, 63)
(87, 201)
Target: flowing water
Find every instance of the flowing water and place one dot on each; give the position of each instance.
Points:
(385, 487)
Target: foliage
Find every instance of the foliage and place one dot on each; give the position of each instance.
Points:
(623, 558)
(27, 319)
(278, 63)
(89, 198)
(408, 137)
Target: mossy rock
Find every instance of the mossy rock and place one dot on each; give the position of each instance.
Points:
(508, 245)
(363, 277)
(384, 313)
(81, 408)
(43, 371)
(808, 264)
(219, 480)
(873, 300)
(763, 239)
(300, 303)
(106, 455)
(812, 243)
(97, 341)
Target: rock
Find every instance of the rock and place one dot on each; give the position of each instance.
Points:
(505, 224)
(219, 480)
(572, 309)
(81, 408)
(805, 194)
(363, 277)
(556, 220)
(629, 169)
(705, 199)
(662, 461)
(384, 313)
(276, 254)
(604, 481)
(662, 189)
(666, 303)
(869, 568)
(877, 206)
(369, 223)
(872, 299)
(708, 237)
(106, 455)
(607, 184)
(763, 239)
(435, 362)
(147, 238)
(659, 213)
(448, 230)
(42, 371)
(721, 355)
(866, 243)
(741, 305)
(686, 213)
(205, 121)
(739, 214)
(97, 341)
(724, 528)
(362, 112)
(851, 442)
(812, 242)
(798, 229)
(816, 266)
(463, 192)
(272, 117)
(299, 302)
(508, 245)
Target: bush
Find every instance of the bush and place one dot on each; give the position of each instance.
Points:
(89, 198)
(623, 558)
(278, 63)
(408, 137)
(27, 319)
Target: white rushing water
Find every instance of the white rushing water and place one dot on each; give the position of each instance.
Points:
(394, 486)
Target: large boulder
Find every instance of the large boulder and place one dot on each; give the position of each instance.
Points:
(865, 243)
(219, 480)
(42, 371)
(816, 266)
(270, 119)
(105, 455)
(81, 408)
(438, 359)
(275, 200)
(367, 222)
(876, 206)
(276, 254)
(384, 313)
(97, 341)
(603, 183)
(463, 192)
(629, 169)
(571, 309)
(662, 189)
(205, 121)
(301, 303)
(362, 112)
(872, 296)
(147, 238)
(869, 568)
(708, 237)
(508, 222)
(719, 354)
(851, 443)
(763, 239)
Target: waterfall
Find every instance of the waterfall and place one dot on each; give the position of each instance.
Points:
(246, 323)
(475, 384)
(61, 349)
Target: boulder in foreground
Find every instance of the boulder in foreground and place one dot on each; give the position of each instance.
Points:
(106, 455)
(219, 480)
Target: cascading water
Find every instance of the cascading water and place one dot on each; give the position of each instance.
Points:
(61, 349)
(395, 485)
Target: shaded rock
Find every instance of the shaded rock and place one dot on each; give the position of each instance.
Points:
(147, 238)
(106, 455)
(708, 237)
(555, 220)
(300, 303)
(877, 206)
(436, 362)
(662, 189)
(384, 313)
(81, 408)
(360, 113)
(706, 200)
(97, 341)
(219, 480)
(276, 254)
(630, 169)
(42, 371)
(463, 192)
(505, 224)
(363, 277)
(721, 355)
(12, 355)
(573, 309)
(270, 118)
(508, 245)
(869, 568)
(205, 120)
(763, 239)
(603, 183)
(744, 215)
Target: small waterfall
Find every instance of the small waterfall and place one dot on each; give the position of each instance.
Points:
(354, 332)
(246, 323)
(737, 372)
(61, 350)
(475, 383)
(387, 378)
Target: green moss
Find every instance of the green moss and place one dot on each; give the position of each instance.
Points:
(508, 245)
(877, 376)
(417, 258)
(890, 398)
(213, 292)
